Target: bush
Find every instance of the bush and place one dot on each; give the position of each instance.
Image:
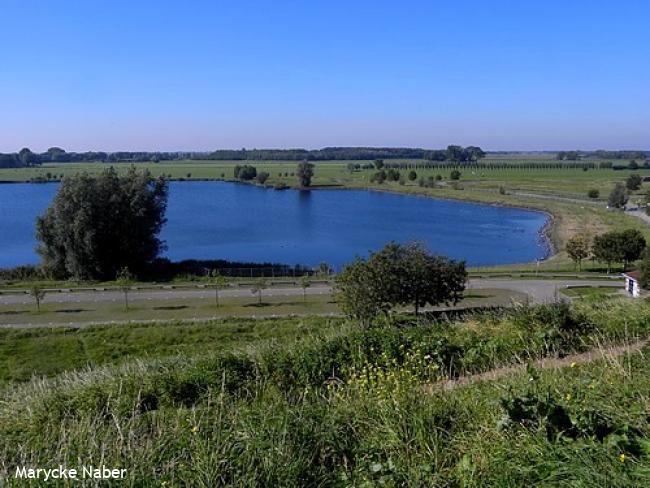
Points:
(245, 172)
(261, 177)
(593, 193)
(633, 182)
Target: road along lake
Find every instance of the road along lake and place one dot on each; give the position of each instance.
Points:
(239, 222)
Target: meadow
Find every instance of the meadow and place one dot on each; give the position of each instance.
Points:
(321, 402)
(55, 313)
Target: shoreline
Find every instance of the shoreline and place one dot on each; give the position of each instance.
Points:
(544, 233)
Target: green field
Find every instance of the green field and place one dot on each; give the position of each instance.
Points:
(73, 312)
(320, 402)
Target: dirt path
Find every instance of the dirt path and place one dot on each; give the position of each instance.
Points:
(545, 363)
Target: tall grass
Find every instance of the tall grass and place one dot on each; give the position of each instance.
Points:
(347, 408)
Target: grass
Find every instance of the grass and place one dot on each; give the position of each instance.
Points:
(79, 312)
(592, 293)
(25, 353)
(340, 406)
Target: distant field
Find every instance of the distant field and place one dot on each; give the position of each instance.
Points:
(533, 177)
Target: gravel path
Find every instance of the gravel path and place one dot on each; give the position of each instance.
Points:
(641, 215)
(540, 291)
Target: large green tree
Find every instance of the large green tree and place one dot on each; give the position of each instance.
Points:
(305, 173)
(632, 244)
(633, 182)
(98, 225)
(607, 249)
(428, 279)
(618, 197)
(398, 275)
(578, 248)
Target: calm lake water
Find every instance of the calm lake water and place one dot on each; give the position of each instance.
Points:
(218, 220)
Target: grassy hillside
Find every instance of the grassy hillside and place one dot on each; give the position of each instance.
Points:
(338, 406)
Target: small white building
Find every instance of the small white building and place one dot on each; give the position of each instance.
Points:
(632, 286)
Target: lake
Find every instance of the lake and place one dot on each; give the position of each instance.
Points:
(238, 222)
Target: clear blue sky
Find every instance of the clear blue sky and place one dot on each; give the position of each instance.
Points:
(201, 75)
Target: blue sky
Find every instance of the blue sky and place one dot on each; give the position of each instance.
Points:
(201, 75)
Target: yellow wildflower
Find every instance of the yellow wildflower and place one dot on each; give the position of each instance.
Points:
(574, 364)
(195, 429)
(621, 458)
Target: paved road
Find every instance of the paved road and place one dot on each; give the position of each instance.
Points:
(557, 197)
(540, 291)
(641, 215)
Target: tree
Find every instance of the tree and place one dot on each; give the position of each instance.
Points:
(474, 153)
(305, 172)
(38, 294)
(593, 193)
(455, 175)
(578, 248)
(413, 175)
(427, 279)
(360, 293)
(217, 281)
(633, 182)
(398, 275)
(262, 176)
(27, 158)
(304, 284)
(379, 177)
(633, 165)
(245, 172)
(392, 174)
(607, 249)
(258, 286)
(456, 154)
(379, 163)
(97, 225)
(632, 244)
(323, 269)
(124, 280)
(618, 197)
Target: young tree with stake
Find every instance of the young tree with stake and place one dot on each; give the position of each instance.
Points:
(37, 293)
(304, 284)
(218, 282)
(257, 288)
(124, 280)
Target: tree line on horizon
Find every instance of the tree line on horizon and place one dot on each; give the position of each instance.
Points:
(453, 153)
(26, 158)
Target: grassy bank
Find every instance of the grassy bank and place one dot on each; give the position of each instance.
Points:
(340, 406)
